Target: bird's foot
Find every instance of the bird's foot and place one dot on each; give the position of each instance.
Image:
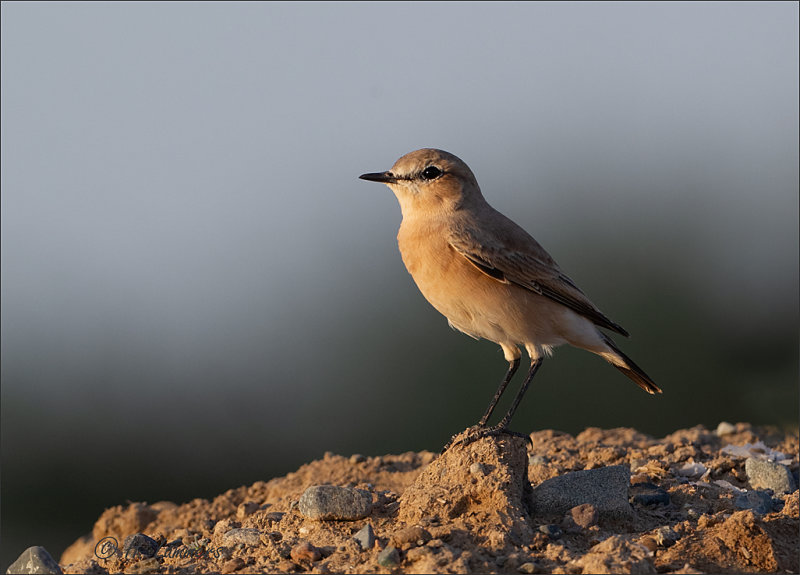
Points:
(478, 432)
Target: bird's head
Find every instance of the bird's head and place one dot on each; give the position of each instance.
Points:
(429, 180)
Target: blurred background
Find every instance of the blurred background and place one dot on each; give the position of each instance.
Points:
(198, 292)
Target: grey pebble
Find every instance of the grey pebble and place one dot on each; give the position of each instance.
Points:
(725, 428)
(274, 516)
(389, 557)
(769, 475)
(34, 560)
(552, 530)
(244, 536)
(537, 460)
(527, 567)
(333, 502)
(758, 501)
(477, 468)
(666, 536)
(648, 494)
(365, 537)
(606, 488)
(139, 546)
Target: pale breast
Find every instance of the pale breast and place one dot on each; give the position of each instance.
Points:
(471, 301)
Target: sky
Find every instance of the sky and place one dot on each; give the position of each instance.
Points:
(195, 283)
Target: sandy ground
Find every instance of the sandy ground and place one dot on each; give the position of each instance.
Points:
(692, 502)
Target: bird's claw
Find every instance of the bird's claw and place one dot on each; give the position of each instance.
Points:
(478, 432)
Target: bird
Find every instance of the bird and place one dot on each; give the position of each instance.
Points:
(490, 278)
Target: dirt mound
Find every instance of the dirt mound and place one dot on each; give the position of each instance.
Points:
(605, 501)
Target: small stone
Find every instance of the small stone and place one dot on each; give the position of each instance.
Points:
(606, 488)
(243, 536)
(477, 469)
(274, 516)
(305, 552)
(139, 546)
(648, 494)
(410, 537)
(389, 557)
(326, 502)
(666, 537)
(537, 460)
(357, 458)
(245, 509)
(725, 428)
(584, 515)
(769, 475)
(365, 537)
(34, 560)
(757, 501)
(527, 567)
(233, 565)
(552, 530)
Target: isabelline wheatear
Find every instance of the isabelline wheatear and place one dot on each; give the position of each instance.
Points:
(489, 277)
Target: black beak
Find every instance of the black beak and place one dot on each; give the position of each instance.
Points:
(383, 177)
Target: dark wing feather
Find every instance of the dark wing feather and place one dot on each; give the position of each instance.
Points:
(519, 259)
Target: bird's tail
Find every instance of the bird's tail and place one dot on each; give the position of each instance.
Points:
(627, 366)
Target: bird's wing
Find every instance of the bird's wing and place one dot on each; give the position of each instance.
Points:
(515, 257)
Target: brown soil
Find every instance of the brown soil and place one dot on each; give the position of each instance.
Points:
(470, 510)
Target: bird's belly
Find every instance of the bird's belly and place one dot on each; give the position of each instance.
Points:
(477, 304)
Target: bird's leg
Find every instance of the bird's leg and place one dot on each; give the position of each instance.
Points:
(501, 428)
(512, 369)
(507, 418)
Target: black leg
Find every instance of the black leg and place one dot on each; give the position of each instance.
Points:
(512, 369)
(501, 428)
(531, 372)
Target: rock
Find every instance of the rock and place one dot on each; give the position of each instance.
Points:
(648, 494)
(665, 536)
(725, 428)
(758, 501)
(139, 546)
(365, 537)
(606, 488)
(274, 517)
(357, 458)
(331, 502)
(552, 530)
(769, 475)
(477, 469)
(537, 460)
(583, 516)
(389, 557)
(244, 536)
(410, 537)
(305, 552)
(34, 560)
(616, 555)
(527, 567)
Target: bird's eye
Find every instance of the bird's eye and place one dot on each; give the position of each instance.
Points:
(431, 173)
